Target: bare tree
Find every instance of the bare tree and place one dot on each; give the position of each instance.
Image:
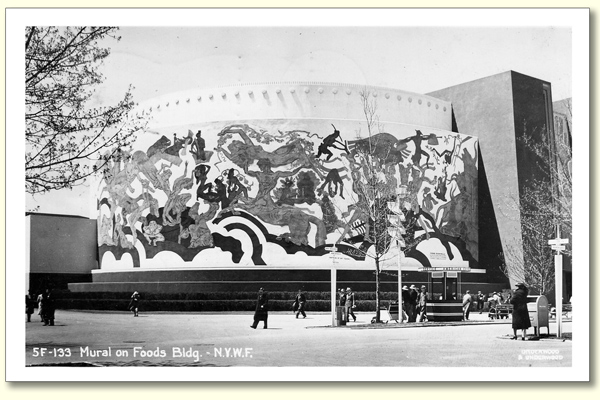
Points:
(374, 186)
(63, 134)
(543, 205)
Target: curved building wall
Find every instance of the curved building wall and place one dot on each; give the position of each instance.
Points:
(273, 176)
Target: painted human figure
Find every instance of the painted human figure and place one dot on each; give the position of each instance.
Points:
(198, 146)
(441, 188)
(176, 201)
(333, 178)
(428, 201)
(199, 233)
(330, 141)
(152, 233)
(201, 174)
(235, 187)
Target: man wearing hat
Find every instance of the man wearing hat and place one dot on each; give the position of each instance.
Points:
(262, 309)
(350, 305)
(520, 315)
(413, 299)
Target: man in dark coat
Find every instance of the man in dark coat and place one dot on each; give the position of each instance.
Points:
(520, 315)
(262, 309)
(413, 298)
(48, 308)
(301, 301)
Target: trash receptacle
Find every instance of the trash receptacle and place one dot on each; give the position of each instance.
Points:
(538, 313)
(340, 315)
(394, 311)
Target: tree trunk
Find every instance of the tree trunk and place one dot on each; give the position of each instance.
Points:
(377, 312)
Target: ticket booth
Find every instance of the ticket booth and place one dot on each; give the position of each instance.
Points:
(444, 286)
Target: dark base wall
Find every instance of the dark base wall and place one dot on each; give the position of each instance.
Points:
(39, 282)
(199, 281)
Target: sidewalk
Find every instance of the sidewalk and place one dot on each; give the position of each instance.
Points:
(209, 339)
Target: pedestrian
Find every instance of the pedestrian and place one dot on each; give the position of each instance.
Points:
(29, 305)
(342, 298)
(39, 301)
(301, 301)
(405, 304)
(422, 305)
(413, 299)
(466, 303)
(520, 314)
(48, 308)
(350, 305)
(261, 313)
(480, 301)
(134, 304)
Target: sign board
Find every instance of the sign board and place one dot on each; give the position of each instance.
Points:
(431, 269)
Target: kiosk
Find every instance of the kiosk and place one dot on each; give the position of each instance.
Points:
(444, 286)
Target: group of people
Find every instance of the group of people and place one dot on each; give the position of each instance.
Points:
(348, 301)
(414, 303)
(45, 304)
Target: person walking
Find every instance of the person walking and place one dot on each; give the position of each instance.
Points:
(413, 300)
(29, 305)
(134, 304)
(405, 304)
(39, 299)
(350, 304)
(48, 308)
(480, 301)
(466, 303)
(261, 313)
(520, 314)
(422, 305)
(301, 302)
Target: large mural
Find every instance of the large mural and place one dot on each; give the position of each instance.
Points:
(283, 193)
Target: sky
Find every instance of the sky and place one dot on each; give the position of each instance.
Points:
(159, 60)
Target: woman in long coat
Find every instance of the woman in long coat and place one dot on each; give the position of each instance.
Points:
(520, 315)
(262, 309)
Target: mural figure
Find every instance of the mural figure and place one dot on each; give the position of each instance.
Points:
(176, 201)
(235, 187)
(201, 174)
(331, 141)
(245, 153)
(152, 233)
(428, 200)
(441, 188)
(197, 148)
(199, 233)
(120, 235)
(333, 178)
(104, 234)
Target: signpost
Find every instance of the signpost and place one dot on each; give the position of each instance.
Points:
(397, 230)
(333, 250)
(558, 245)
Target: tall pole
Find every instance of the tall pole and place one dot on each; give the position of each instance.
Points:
(400, 313)
(558, 244)
(559, 288)
(333, 294)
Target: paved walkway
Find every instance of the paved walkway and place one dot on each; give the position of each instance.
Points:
(226, 339)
